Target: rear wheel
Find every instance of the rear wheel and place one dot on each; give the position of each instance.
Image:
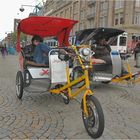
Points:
(94, 123)
(19, 84)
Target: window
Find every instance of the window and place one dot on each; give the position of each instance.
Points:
(122, 41)
(103, 21)
(103, 5)
(75, 29)
(71, 14)
(75, 7)
(116, 21)
(67, 14)
(137, 18)
(62, 14)
(82, 15)
(75, 16)
(137, 3)
(91, 13)
(82, 26)
(91, 23)
(119, 19)
(83, 3)
(119, 4)
(92, 9)
(113, 41)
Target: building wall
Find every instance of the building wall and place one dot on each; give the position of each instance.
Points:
(16, 21)
(123, 14)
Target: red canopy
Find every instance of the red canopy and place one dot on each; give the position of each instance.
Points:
(46, 27)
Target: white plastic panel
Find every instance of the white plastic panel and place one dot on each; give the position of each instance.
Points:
(57, 69)
(38, 72)
(116, 63)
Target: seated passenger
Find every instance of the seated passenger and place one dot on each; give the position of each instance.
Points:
(41, 51)
(136, 49)
(102, 52)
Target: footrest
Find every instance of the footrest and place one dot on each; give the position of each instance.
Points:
(102, 77)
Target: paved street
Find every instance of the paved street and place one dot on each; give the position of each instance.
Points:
(42, 115)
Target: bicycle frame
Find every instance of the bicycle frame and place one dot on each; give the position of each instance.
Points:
(69, 84)
(130, 75)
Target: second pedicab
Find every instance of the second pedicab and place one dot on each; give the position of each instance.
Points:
(114, 70)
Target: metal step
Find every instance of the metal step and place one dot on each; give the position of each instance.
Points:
(102, 77)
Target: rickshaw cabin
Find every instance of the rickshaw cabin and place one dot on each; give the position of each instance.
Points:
(45, 27)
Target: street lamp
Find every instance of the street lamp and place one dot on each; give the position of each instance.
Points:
(35, 6)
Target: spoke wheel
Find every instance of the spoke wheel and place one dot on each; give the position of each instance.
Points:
(94, 123)
(19, 84)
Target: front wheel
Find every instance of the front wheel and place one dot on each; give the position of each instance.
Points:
(94, 123)
(19, 84)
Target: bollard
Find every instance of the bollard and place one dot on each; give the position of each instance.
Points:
(138, 60)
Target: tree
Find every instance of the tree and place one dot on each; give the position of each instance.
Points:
(23, 38)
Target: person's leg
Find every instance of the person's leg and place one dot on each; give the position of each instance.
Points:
(124, 71)
(37, 57)
(46, 60)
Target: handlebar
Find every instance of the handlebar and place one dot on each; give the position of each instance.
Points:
(125, 56)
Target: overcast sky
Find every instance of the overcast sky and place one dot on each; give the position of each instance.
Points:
(9, 9)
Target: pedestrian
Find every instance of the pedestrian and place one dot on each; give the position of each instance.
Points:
(136, 49)
(3, 51)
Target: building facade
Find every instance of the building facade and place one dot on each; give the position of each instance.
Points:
(16, 21)
(123, 14)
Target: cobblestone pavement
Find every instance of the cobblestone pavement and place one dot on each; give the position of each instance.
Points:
(42, 115)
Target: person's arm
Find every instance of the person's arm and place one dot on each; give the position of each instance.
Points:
(108, 48)
(44, 47)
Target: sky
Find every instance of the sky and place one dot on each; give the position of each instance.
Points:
(9, 9)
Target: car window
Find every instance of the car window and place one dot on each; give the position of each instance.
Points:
(122, 41)
(113, 41)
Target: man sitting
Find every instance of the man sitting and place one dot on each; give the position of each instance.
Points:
(102, 52)
(40, 53)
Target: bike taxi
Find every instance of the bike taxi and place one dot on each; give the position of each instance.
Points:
(57, 75)
(113, 71)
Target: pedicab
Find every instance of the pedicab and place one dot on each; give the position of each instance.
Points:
(58, 73)
(108, 72)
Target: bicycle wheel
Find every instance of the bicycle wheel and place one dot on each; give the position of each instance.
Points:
(94, 123)
(19, 84)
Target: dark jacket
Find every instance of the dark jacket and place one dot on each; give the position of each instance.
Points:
(136, 50)
(103, 52)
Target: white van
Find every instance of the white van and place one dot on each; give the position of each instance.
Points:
(119, 43)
